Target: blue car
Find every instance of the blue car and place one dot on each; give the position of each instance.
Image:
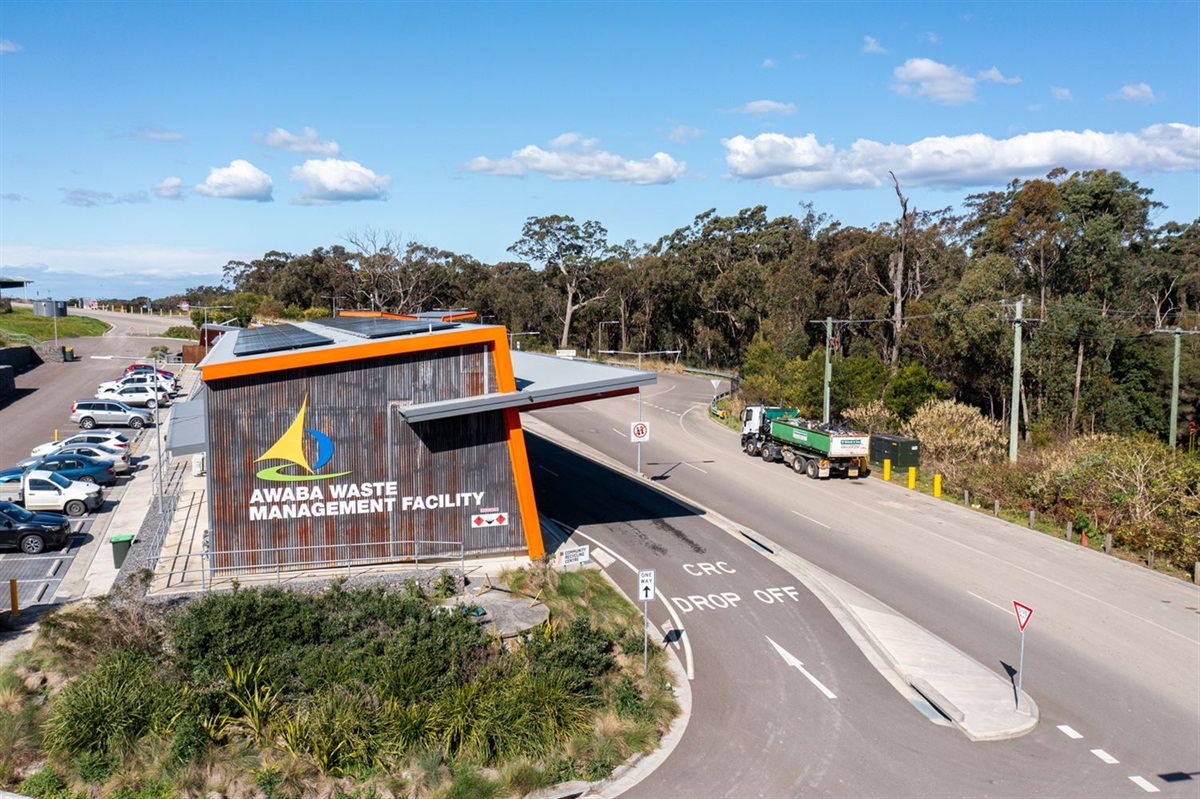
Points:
(79, 467)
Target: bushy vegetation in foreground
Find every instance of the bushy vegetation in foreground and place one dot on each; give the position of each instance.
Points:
(346, 692)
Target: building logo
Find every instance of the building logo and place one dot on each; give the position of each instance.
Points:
(290, 448)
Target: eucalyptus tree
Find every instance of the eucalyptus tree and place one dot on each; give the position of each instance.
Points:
(574, 252)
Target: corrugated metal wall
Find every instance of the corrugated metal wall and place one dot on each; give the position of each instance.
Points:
(461, 463)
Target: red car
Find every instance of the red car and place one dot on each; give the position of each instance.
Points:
(148, 367)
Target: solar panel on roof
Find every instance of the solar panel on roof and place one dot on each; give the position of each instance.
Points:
(378, 327)
(276, 338)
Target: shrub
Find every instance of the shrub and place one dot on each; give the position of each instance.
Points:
(182, 331)
(106, 711)
(953, 437)
(874, 417)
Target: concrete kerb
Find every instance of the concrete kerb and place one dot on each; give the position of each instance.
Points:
(899, 649)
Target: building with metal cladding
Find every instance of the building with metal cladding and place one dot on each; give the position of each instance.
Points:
(372, 438)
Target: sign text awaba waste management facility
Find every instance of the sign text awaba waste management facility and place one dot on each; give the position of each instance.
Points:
(371, 438)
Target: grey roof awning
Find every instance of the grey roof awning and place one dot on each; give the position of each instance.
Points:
(187, 431)
(542, 380)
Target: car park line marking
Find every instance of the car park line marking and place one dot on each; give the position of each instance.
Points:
(1105, 756)
(1008, 611)
(697, 468)
(792, 660)
(1144, 784)
(1068, 731)
(811, 519)
(687, 643)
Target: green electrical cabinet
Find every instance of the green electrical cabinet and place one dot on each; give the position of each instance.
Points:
(902, 452)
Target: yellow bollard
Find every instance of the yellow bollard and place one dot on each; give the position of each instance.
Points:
(912, 476)
(937, 486)
(887, 469)
(56, 434)
(12, 592)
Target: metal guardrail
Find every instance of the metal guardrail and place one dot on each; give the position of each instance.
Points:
(20, 338)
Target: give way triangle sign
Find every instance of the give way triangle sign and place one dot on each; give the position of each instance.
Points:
(1023, 614)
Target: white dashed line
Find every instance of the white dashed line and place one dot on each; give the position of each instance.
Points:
(1066, 729)
(1105, 756)
(1144, 784)
(811, 519)
(618, 432)
(1006, 611)
(697, 468)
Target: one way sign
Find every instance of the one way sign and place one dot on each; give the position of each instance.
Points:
(645, 585)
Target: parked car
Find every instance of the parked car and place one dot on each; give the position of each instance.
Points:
(119, 458)
(143, 379)
(135, 368)
(137, 396)
(32, 532)
(91, 412)
(42, 490)
(82, 468)
(109, 438)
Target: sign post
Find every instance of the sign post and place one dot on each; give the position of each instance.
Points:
(646, 594)
(1023, 614)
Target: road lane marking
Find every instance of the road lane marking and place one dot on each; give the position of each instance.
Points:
(1105, 756)
(792, 660)
(697, 468)
(603, 557)
(1066, 729)
(618, 432)
(687, 642)
(811, 519)
(1006, 612)
(1144, 784)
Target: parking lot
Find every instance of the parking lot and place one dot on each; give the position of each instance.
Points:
(39, 413)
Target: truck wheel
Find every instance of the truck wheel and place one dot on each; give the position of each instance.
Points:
(87, 423)
(75, 508)
(767, 454)
(136, 423)
(812, 471)
(32, 544)
(749, 448)
(798, 465)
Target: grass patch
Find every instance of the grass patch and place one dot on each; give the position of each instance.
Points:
(23, 321)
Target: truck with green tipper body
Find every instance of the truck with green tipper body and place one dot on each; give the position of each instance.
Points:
(812, 448)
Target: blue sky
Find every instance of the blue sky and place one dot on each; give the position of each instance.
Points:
(143, 145)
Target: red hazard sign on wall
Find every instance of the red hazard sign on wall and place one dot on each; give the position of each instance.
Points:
(489, 519)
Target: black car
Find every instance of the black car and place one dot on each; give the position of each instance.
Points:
(31, 532)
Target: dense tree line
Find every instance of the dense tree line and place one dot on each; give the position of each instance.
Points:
(923, 304)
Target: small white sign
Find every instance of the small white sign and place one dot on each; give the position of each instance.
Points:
(645, 585)
(1023, 614)
(565, 353)
(574, 555)
(716, 381)
(498, 519)
(639, 431)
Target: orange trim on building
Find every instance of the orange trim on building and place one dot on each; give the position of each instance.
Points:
(298, 359)
(523, 480)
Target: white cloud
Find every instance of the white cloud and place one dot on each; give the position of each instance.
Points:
(681, 133)
(933, 38)
(307, 142)
(938, 82)
(157, 134)
(872, 45)
(953, 162)
(1134, 93)
(993, 76)
(333, 181)
(573, 157)
(1061, 94)
(88, 198)
(766, 107)
(9, 46)
(109, 261)
(769, 63)
(170, 189)
(241, 180)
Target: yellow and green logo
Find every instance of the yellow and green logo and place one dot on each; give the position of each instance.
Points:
(290, 448)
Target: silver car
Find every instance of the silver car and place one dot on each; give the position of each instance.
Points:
(88, 413)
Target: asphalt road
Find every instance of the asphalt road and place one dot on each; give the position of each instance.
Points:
(1112, 651)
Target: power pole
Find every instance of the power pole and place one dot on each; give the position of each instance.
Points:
(828, 365)
(1014, 411)
(1177, 332)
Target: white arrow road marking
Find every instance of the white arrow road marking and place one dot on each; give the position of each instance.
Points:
(792, 660)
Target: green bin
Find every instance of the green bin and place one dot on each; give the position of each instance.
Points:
(120, 545)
